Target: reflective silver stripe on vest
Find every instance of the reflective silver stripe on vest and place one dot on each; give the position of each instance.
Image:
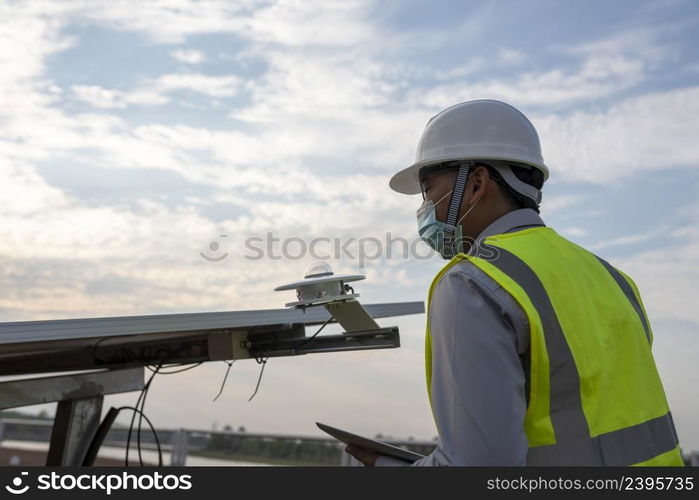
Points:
(627, 446)
(626, 288)
(574, 445)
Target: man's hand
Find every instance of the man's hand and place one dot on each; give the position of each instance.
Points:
(365, 456)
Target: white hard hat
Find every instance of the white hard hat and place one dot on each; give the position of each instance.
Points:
(484, 129)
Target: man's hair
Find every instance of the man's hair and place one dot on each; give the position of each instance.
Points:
(528, 175)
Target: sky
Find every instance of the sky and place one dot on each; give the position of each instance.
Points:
(180, 156)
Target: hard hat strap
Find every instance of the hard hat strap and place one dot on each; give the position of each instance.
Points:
(457, 194)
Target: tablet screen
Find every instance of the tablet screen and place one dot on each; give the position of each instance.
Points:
(370, 444)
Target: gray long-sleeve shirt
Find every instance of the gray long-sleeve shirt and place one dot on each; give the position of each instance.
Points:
(480, 341)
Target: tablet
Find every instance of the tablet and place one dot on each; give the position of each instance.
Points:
(370, 444)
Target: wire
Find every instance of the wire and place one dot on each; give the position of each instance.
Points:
(224, 378)
(149, 367)
(144, 394)
(98, 438)
(306, 341)
(150, 424)
(94, 348)
(131, 357)
(140, 420)
(133, 418)
(126, 354)
(264, 363)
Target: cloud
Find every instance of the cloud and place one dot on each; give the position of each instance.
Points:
(629, 239)
(557, 203)
(667, 276)
(168, 22)
(289, 23)
(23, 192)
(188, 56)
(597, 77)
(213, 86)
(103, 98)
(574, 231)
(647, 132)
(471, 67)
(606, 67)
(511, 57)
(311, 23)
(675, 357)
(153, 92)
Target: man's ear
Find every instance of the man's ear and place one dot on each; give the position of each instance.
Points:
(478, 181)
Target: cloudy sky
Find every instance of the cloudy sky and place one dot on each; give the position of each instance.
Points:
(135, 137)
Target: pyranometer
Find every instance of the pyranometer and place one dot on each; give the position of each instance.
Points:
(321, 286)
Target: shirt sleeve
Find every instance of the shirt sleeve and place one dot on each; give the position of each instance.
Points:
(478, 382)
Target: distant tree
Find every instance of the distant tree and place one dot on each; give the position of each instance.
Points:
(241, 429)
(227, 427)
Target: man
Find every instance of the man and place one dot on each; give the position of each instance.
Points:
(537, 352)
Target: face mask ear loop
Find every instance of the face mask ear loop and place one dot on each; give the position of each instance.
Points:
(454, 206)
(442, 198)
(467, 212)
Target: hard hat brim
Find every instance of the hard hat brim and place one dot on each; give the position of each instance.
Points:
(406, 181)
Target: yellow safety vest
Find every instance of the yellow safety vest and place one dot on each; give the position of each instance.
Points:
(595, 396)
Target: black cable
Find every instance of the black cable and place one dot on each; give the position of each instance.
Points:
(143, 406)
(306, 341)
(98, 438)
(129, 356)
(155, 434)
(264, 363)
(224, 378)
(94, 348)
(175, 371)
(103, 429)
(140, 421)
(133, 418)
(143, 402)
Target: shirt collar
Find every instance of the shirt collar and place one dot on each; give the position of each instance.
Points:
(511, 221)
